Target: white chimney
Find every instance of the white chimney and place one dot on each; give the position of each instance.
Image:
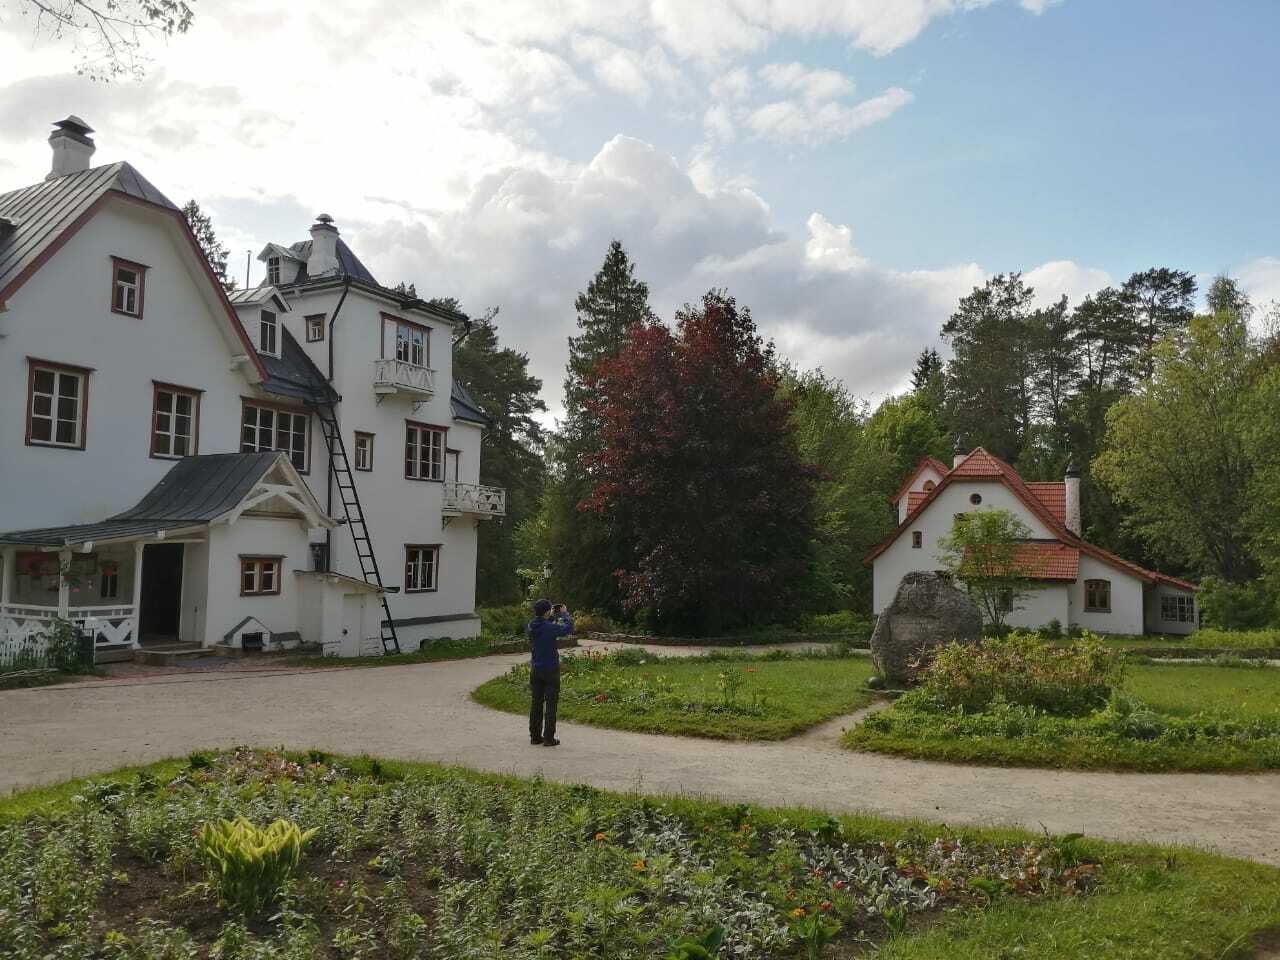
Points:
(72, 147)
(958, 454)
(324, 247)
(1071, 484)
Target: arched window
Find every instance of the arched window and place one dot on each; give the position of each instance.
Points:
(929, 485)
(1097, 596)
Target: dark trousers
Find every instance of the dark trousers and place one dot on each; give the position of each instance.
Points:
(545, 687)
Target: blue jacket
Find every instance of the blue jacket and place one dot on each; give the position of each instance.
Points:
(542, 638)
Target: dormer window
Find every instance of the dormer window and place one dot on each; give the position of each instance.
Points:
(126, 287)
(411, 343)
(268, 333)
(273, 271)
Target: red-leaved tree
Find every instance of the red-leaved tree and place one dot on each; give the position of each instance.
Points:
(700, 467)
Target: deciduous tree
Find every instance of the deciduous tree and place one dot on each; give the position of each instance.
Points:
(108, 35)
(700, 453)
(982, 552)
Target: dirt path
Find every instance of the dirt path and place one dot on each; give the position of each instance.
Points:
(422, 712)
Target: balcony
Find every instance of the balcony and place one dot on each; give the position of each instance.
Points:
(395, 376)
(474, 500)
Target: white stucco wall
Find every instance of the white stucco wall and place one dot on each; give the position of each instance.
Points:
(1043, 603)
(934, 523)
(399, 511)
(1126, 615)
(254, 536)
(63, 314)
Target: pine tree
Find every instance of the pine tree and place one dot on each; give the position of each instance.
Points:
(581, 548)
(928, 366)
(202, 228)
(498, 379)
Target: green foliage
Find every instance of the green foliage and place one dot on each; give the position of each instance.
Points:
(982, 552)
(1165, 718)
(498, 379)
(730, 696)
(1069, 680)
(1239, 606)
(704, 947)
(252, 863)
(1177, 454)
(58, 646)
(202, 229)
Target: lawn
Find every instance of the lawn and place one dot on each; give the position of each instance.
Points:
(1170, 717)
(417, 860)
(727, 696)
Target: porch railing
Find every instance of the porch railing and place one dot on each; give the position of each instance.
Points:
(395, 376)
(474, 498)
(22, 626)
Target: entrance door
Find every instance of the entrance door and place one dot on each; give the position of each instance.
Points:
(161, 610)
(352, 625)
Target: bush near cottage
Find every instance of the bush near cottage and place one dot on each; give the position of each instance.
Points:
(725, 695)
(1022, 702)
(415, 860)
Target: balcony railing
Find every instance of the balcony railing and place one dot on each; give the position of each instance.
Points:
(396, 376)
(22, 626)
(474, 499)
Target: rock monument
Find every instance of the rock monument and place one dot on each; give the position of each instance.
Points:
(926, 612)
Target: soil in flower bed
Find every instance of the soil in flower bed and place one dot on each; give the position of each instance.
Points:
(721, 695)
(417, 860)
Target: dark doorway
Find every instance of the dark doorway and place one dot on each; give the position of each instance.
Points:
(161, 592)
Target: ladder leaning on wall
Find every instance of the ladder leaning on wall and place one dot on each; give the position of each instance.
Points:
(346, 483)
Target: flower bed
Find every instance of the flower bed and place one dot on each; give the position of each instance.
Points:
(409, 861)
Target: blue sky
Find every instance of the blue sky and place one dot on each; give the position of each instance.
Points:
(848, 170)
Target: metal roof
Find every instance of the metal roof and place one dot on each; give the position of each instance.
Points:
(195, 491)
(349, 264)
(40, 213)
(465, 408)
(293, 375)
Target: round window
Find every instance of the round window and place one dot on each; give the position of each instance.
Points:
(975, 498)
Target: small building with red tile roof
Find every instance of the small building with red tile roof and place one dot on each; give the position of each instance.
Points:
(1070, 580)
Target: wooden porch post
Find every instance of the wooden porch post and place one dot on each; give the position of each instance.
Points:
(136, 634)
(64, 586)
(8, 557)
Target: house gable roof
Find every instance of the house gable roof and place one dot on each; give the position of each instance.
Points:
(294, 375)
(982, 465)
(45, 215)
(195, 492)
(465, 408)
(938, 466)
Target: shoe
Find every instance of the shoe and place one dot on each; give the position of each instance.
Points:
(535, 741)
(551, 742)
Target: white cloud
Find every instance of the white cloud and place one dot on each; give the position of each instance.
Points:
(812, 122)
(1261, 280)
(1057, 277)
(627, 71)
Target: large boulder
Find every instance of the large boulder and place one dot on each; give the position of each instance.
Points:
(927, 612)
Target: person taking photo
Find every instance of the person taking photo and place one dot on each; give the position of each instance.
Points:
(548, 625)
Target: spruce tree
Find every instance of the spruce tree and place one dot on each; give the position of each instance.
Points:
(202, 228)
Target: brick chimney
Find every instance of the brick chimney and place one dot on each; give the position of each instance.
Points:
(72, 147)
(324, 247)
(1072, 519)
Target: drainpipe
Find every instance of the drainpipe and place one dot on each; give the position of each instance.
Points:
(328, 476)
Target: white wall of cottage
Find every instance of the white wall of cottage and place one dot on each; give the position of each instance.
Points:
(399, 511)
(63, 314)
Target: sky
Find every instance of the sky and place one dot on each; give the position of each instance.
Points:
(848, 169)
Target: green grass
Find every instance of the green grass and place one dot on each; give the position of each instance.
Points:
(416, 860)
(726, 696)
(1207, 638)
(1179, 718)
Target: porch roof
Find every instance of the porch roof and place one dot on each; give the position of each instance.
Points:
(195, 492)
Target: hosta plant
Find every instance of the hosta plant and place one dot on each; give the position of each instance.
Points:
(252, 863)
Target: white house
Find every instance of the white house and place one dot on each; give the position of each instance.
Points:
(1070, 580)
(293, 462)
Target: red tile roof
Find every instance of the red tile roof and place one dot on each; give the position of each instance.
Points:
(1054, 496)
(914, 499)
(983, 465)
(1047, 560)
(934, 462)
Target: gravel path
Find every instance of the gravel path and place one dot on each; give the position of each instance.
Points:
(422, 712)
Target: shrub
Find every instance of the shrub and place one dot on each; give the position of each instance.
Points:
(509, 621)
(1239, 606)
(1212, 639)
(1021, 670)
(252, 863)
